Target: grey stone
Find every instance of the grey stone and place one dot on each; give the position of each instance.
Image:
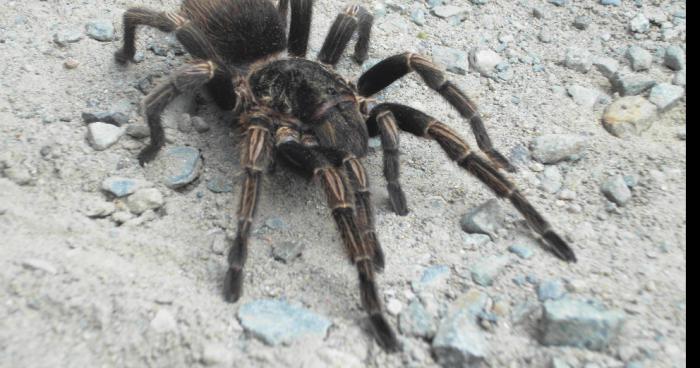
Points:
(629, 115)
(586, 97)
(484, 60)
(552, 148)
(616, 190)
(277, 322)
(99, 209)
(431, 278)
(40, 265)
(539, 13)
(100, 30)
(679, 78)
(19, 175)
(484, 219)
(459, 342)
(606, 66)
(551, 179)
(454, 60)
(559, 2)
(582, 22)
(138, 131)
(275, 223)
(219, 184)
(416, 321)
(184, 123)
(220, 242)
(610, 2)
(199, 124)
(163, 322)
(476, 240)
(101, 135)
(551, 290)
(145, 199)
(217, 355)
(117, 118)
(639, 24)
(577, 323)
(418, 17)
(578, 59)
(544, 36)
(631, 84)
(674, 57)
(665, 95)
(66, 36)
(448, 11)
(486, 269)
(183, 165)
(521, 251)
(122, 187)
(639, 58)
(286, 251)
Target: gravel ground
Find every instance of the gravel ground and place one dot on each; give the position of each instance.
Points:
(91, 277)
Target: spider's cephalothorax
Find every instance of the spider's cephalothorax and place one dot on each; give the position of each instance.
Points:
(313, 119)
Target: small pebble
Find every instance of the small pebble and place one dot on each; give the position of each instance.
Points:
(100, 30)
(394, 306)
(521, 251)
(552, 148)
(484, 60)
(276, 322)
(163, 322)
(287, 251)
(639, 58)
(639, 24)
(674, 58)
(631, 84)
(39, 264)
(616, 190)
(606, 66)
(578, 59)
(183, 166)
(582, 22)
(551, 290)
(199, 124)
(487, 269)
(101, 135)
(665, 95)
(145, 199)
(71, 64)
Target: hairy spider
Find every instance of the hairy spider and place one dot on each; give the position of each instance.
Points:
(313, 119)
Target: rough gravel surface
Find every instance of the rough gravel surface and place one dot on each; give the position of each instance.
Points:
(89, 279)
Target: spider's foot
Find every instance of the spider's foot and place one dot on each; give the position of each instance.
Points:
(559, 247)
(148, 154)
(233, 284)
(378, 259)
(359, 59)
(500, 161)
(397, 199)
(386, 337)
(122, 57)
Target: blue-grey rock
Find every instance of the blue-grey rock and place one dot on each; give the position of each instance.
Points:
(577, 323)
(183, 165)
(539, 12)
(520, 280)
(287, 251)
(434, 3)
(674, 57)
(418, 17)
(144, 199)
(66, 36)
(583, 96)
(122, 187)
(448, 11)
(551, 179)
(610, 2)
(582, 22)
(519, 155)
(275, 223)
(432, 277)
(523, 310)
(277, 322)
(199, 124)
(639, 58)
(138, 131)
(552, 148)
(454, 60)
(665, 95)
(616, 190)
(487, 269)
(639, 24)
(484, 60)
(551, 290)
(606, 66)
(459, 342)
(100, 30)
(472, 241)
(578, 59)
(101, 135)
(479, 2)
(416, 321)
(679, 78)
(484, 219)
(559, 2)
(219, 184)
(521, 251)
(110, 117)
(559, 363)
(631, 84)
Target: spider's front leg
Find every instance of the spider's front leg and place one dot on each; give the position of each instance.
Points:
(354, 17)
(393, 68)
(256, 156)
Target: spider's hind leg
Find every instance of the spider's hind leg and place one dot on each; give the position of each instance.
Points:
(422, 125)
(133, 17)
(346, 23)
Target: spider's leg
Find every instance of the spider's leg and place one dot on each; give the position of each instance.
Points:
(363, 207)
(339, 199)
(385, 125)
(256, 156)
(389, 70)
(422, 125)
(185, 79)
(133, 17)
(283, 9)
(299, 27)
(342, 30)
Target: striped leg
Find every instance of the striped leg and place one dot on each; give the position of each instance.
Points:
(133, 17)
(385, 125)
(341, 31)
(363, 208)
(256, 156)
(422, 125)
(339, 199)
(389, 70)
(299, 27)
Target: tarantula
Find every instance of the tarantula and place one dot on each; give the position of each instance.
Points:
(310, 117)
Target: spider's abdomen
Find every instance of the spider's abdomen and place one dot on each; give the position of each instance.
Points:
(321, 99)
(241, 31)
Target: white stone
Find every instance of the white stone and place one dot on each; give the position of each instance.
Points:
(102, 135)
